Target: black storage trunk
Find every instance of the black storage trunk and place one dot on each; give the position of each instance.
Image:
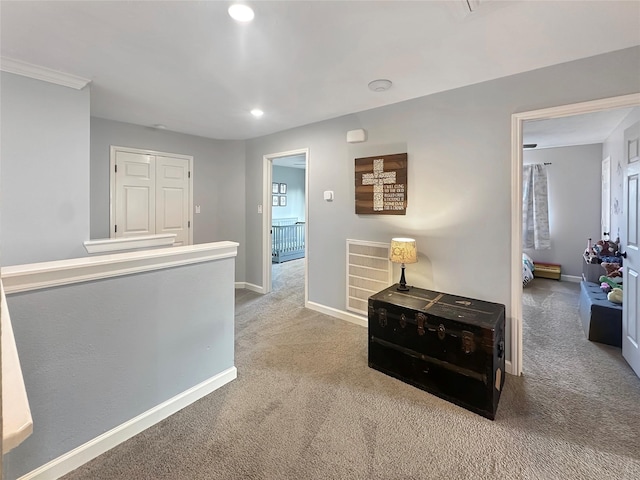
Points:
(450, 346)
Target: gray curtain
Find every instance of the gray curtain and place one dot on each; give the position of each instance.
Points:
(535, 208)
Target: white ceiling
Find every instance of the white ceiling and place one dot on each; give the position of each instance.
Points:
(189, 66)
(585, 129)
(293, 161)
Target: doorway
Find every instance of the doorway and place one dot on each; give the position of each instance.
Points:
(517, 126)
(285, 203)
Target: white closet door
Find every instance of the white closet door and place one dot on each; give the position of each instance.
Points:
(631, 275)
(172, 198)
(135, 194)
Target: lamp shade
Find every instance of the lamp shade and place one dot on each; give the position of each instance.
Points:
(403, 250)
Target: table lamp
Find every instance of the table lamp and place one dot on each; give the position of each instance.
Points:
(402, 251)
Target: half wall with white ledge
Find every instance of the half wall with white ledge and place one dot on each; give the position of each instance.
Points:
(111, 344)
(17, 423)
(120, 244)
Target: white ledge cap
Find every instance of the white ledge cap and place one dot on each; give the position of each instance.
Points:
(22, 278)
(104, 245)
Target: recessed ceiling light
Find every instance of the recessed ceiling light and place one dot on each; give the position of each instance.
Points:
(256, 112)
(241, 13)
(380, 85)
(160, 126)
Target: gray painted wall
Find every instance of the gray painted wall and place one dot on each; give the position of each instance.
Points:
(574, 202)
(44, 188)
(459, 189)
(614, 147)
(218, 179)
(97, 354)
(294, 178)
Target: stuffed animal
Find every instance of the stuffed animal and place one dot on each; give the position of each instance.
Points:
(615, 295)
(605, 287)
(613, 269)
(612, 282)
(605, 248)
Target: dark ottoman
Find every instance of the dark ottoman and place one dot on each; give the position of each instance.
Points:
(601, 319)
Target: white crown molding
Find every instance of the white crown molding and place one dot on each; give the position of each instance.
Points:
(25, 69)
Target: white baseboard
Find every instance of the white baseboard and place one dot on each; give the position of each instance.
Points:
(362, 321)
(254, 288)
(570, 278)
(508, 367)
(250, 286)
(341, 314)
(79, 456)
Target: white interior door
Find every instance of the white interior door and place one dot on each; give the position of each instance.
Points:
(631, 285)
(172, 198)
(134, 195)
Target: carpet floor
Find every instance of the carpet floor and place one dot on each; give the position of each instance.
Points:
(305, 405)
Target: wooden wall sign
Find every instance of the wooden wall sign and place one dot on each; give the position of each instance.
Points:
(381, 185)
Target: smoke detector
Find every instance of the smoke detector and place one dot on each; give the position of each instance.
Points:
(380, 85)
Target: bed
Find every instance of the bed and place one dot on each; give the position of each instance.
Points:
(527, 269)
(287, 240)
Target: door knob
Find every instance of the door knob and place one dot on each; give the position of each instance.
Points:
(623, 254)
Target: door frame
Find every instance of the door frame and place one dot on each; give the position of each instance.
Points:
(112, 182)
(267, 176)
(517, 120)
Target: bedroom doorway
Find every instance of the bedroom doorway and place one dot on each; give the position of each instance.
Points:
(516, 314)
(285, 213)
